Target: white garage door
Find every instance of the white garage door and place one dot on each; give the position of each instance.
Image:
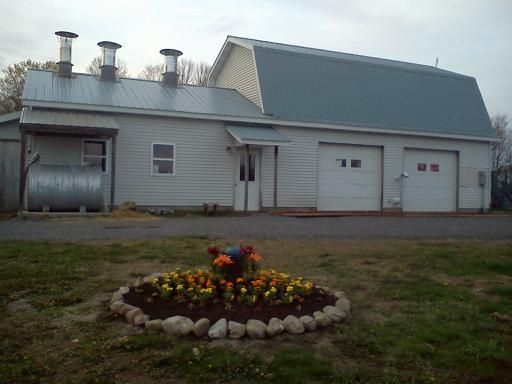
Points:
(432, 182)
(349, 178)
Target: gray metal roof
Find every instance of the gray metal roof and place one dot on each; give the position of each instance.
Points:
(10, 117)
(257, 135)
(87, 90)
(64, 118)
(305, 84)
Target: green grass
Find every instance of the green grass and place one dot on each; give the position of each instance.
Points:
(424, 312)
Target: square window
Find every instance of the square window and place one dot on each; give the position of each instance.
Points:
(355, 163)
(94, 153)
(163, 158)
(434, 167)
(421, 167)
(341, 163)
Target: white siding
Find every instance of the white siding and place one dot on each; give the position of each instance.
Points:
(239, 72)
(297, 184)
(9, 131)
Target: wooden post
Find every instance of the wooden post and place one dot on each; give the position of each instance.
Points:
(21, 191)
(276, 152)
(113, 174)
(246, 192)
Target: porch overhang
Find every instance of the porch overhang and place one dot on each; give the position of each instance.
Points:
(254, 135)
(67, 123)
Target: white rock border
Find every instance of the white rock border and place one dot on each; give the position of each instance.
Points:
(255, 329)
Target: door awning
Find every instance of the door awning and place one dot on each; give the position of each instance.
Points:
(257, 135)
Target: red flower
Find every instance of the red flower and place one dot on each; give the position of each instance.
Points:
(246, 250)
(214, 251)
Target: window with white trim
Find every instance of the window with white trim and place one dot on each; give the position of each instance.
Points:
(163, 156)
(94, 152)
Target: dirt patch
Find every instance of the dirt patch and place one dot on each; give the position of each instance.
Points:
(158, 308)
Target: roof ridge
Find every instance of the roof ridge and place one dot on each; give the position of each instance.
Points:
(390, 62)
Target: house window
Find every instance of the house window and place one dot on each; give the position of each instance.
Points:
(94, 152)
(421, 167)
(434, 167)
(341, 163)
(252, 168)
(163, 157)
(355, 163)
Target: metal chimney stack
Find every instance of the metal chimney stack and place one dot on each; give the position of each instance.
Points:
(64, 65)
(170, 75)
(108, 69)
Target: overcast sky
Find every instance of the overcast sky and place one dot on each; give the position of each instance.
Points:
(469, 36)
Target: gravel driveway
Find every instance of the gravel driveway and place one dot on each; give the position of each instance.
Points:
(260, 226)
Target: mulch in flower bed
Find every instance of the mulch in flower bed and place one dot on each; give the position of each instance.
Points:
(158, 308)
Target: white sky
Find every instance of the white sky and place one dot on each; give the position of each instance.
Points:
(473, 37)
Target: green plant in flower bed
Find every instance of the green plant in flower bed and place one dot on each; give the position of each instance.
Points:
(234, 277)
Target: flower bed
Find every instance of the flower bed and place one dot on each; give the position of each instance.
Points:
(234, 295)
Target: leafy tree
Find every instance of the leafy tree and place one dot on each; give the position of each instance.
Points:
(12, 81)
(94, 67)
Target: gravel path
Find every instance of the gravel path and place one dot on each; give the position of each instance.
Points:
(260, 226)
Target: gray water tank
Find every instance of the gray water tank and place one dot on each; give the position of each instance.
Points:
(64, 188)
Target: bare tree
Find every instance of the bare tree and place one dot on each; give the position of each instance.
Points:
(152, 72)
(190, 72)
(501, 155)
(202, 70)
(12, 81)
(94, 67)
(186, 68)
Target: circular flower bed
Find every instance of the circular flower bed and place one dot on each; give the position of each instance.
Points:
(233, 298)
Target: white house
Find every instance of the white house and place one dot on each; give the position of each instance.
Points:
(279, 126)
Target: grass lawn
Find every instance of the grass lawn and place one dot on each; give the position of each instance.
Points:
(424, 312)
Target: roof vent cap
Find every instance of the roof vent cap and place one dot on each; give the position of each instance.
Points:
(66, 41)
(170, 75)
(108, 69)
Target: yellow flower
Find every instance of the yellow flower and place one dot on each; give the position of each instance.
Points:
(267, 293)
(289, 288)
(273, 289)
(243, 290)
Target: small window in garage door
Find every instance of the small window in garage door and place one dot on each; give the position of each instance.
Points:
(355, 163)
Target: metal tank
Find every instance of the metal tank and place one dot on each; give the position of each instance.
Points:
(65, 188)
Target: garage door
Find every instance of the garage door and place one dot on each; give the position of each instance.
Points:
(432, 182)
(349, 178)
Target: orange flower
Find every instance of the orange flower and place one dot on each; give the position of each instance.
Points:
(254, 257)
(240, 280)
(256, 283)
(229, 285)
(222, 260)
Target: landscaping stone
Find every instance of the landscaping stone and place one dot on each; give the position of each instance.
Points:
(138, 282)
(340, 295)
(327, 290)
(125, 308)
(256, 329)
(334, 313)
(130, 316)
(344, 305)
(116, 306)
(293, 325)
(140, 319)
(322, 320)
(236, 330)
(124, 290)
(117, 296)
(309, 323)
(154, 326)
(201, 327)
(177, 325)
(219, 330)
(274, 327)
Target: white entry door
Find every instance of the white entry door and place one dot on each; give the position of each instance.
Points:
(349, 178)
(254, 181)
(432, 182)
